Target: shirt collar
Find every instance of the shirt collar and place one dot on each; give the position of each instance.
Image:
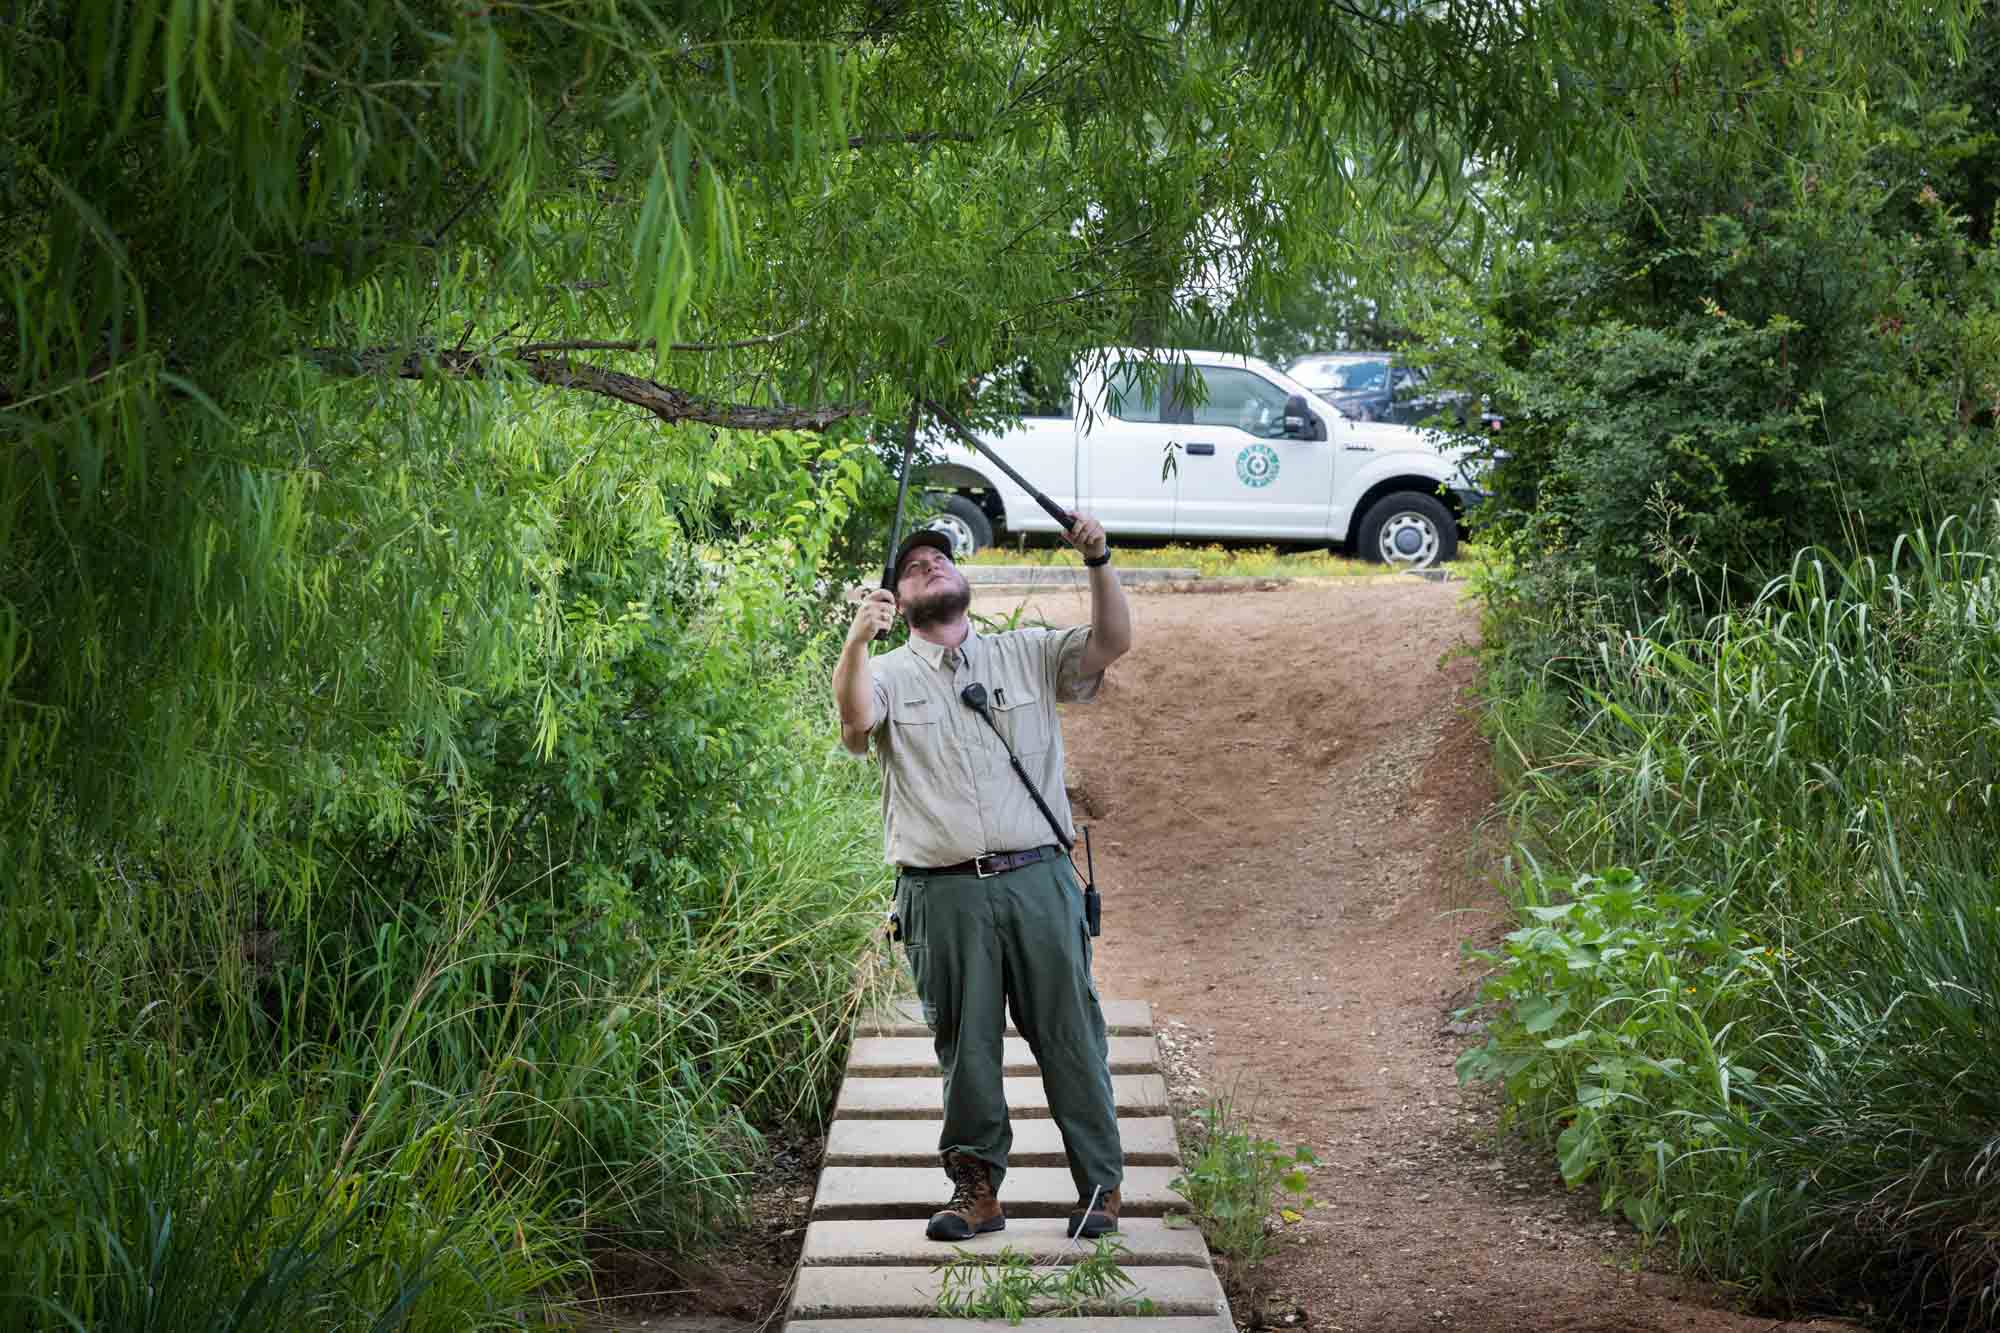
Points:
(933, 653)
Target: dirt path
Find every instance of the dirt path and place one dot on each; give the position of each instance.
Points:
(1285, 792)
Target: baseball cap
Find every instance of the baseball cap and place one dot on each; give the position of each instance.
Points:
(930, 537)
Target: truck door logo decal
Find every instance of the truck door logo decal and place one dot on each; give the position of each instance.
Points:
(1257, 465)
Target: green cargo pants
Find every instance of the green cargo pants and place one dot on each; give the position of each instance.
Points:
(1015, 942)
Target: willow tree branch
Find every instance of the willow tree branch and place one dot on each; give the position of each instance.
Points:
(671, 405)
(649, 344)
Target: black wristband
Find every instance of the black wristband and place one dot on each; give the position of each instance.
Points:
(1097, 561)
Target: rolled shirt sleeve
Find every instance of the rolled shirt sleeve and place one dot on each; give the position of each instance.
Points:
(1066, 648)
(879, 728)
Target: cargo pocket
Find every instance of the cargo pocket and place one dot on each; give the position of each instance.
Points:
(909, 911)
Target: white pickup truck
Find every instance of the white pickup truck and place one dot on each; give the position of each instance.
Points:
(1255, 456)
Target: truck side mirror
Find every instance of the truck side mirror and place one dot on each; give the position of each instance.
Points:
(1300, 423)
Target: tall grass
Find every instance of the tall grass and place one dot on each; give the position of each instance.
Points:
(147, 1182)
(1802, 798)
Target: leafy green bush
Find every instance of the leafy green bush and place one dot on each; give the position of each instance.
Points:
(1614, 1032)
(549, 970)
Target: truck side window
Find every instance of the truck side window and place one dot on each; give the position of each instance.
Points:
(1241, 399)
(1129, 397)
(1041, 398)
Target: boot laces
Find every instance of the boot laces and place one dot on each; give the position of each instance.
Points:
(967, 1179)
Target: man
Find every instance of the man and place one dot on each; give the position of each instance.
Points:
(989, 906)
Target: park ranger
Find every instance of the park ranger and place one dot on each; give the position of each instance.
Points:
(988, 905)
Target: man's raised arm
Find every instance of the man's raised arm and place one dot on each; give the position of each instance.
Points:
(853, 681)
(1110, 614)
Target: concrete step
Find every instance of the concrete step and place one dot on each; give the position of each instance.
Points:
(1029, 1191)
(867, 1267)
(1191, 1323)
(887, 1293)
(922, 1098)
(893, 1056)
(905, 1018)
(901, 1243)
(1147, 1141)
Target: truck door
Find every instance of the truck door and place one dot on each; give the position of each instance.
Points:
(1241, 475)
(1124, 448)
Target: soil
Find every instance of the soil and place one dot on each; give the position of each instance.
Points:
(1291, 814)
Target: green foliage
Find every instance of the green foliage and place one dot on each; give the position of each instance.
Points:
(1783, 1066)
(1009, 1286)
(1780, 335)
(599, 966)
(433, 437)
(1613, 1033)
(1234, 1180)
(633, 991)
(134, 1201)
(234, 231)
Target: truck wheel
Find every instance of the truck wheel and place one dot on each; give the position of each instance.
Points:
(1409, 531)
(966, 524)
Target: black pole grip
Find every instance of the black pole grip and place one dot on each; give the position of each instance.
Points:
(896, 524)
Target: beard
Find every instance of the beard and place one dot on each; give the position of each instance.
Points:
(939, 608)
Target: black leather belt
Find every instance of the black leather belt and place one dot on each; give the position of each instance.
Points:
(989, 865)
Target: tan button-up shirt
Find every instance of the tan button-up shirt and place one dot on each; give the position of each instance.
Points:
(948, 792)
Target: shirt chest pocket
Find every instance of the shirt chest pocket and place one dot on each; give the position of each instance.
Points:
(1021, 717)
(914, 723)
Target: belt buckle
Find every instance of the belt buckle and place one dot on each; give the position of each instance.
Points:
(979, 865)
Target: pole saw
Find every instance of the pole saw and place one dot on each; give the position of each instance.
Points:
(964, 432)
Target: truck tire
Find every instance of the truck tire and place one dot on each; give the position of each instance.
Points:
(1408, 530)
(965, 523)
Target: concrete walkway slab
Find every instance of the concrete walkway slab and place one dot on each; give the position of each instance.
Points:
(905, 1018)
(1031, 1191)
(1147, 1141)
(917, 1056)
(908, 1098)
(866, 1266)
(885, 1293)
(901, 1243)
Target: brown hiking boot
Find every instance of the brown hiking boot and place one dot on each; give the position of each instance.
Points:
(1093, 1220)
(973, 1209)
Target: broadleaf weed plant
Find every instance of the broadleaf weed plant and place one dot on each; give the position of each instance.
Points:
(1234, 1180)
(1613, 1030)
